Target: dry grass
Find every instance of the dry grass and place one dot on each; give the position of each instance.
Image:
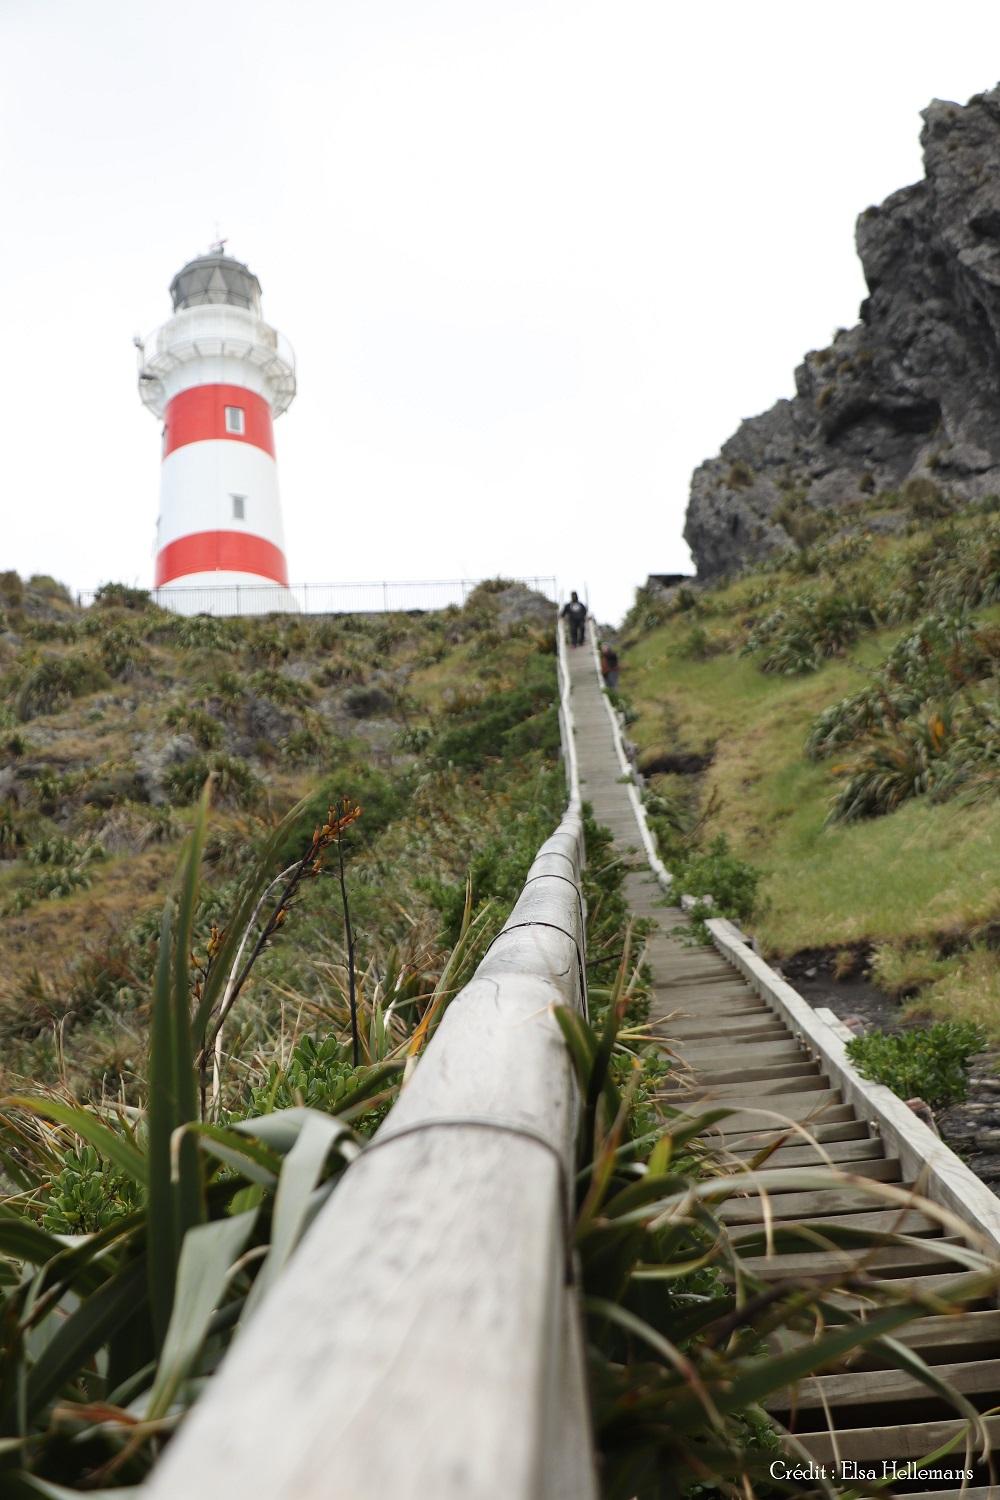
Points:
(969, 987)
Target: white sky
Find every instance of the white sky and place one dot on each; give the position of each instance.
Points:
(536, 259)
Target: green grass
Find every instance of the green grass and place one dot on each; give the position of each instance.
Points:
(925, 872)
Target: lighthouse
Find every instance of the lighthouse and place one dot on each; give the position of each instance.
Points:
(217, 375)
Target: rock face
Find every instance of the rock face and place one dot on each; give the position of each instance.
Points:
(906, 402)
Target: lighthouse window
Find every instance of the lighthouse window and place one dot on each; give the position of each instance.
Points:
(239, 507)
(234, 419)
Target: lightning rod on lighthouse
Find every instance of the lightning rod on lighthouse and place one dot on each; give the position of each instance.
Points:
(218, 375)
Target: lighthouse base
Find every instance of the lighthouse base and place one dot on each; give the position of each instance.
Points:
(221, 593)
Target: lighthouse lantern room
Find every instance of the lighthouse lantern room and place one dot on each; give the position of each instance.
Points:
(218, 375)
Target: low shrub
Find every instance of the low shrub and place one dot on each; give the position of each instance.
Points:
(11, 588)
(510, 722)
(311, 741)
(367, 702)
(227, 691)
(383, 798)
(318, 1075)
(50, 884)
(929, 1063)
(204, 632)
(121, 652)
(718, 872)
(122, 596)
(53, 681)
(235, 782)
(893, 767)
(277, 688)
(66, 632)
(58, 849)
(86, 1194)
(925, 499)
(497, 869)
(876, 709)
(189, 718)
(49, 588)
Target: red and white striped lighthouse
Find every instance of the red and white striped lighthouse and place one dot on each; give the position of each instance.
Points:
(218, 375)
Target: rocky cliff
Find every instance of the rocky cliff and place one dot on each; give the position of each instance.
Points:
(903, 410)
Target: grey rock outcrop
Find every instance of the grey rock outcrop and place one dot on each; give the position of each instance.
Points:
(154, 756)
(906, 401)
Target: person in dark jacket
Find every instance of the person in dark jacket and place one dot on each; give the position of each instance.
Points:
(576, 613)
(609, 666)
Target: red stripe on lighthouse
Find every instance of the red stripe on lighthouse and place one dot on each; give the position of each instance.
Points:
(220, 551)
(199, 414)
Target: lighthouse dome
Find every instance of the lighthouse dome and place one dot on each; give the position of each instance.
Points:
(215, 278)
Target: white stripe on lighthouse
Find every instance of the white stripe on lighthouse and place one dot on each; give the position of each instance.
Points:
(197, 487)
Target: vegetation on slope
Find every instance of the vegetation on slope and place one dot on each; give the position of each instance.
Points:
(145, 1226)
(844, 704)
(377, 790)
(114, 717)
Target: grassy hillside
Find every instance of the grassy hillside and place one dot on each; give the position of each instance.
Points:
(441, 726)
(842, 709)
(138, 1233)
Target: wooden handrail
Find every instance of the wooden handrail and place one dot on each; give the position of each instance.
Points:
(424, 1342)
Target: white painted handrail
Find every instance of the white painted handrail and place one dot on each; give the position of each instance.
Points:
(424, 1342)
(656, 864)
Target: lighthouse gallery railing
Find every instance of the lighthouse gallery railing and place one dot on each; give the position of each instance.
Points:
(424, 1343)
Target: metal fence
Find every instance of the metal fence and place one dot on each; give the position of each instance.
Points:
(322, 598)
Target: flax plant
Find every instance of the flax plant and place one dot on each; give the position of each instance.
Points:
(107, 1335)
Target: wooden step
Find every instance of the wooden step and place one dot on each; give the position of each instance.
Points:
(884, 1221)
(722, 1053)
(767, 1088)
(796, 1105)
(811, 1204)
(844, 1126)
(859, 1304)
(866, 1388)
(746, 1125)
(673, 964)
(705, 995)
(972, 1335)
(669, 1017)
(851, 1145)
(880, 1261)
(711, 1003)
(879, 1169)
(908, 1440)
(777, 1071)
(729, 1028)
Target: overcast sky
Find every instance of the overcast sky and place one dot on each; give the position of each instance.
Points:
(536, 257)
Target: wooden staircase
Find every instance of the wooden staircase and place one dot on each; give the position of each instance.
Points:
(735, 1050)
